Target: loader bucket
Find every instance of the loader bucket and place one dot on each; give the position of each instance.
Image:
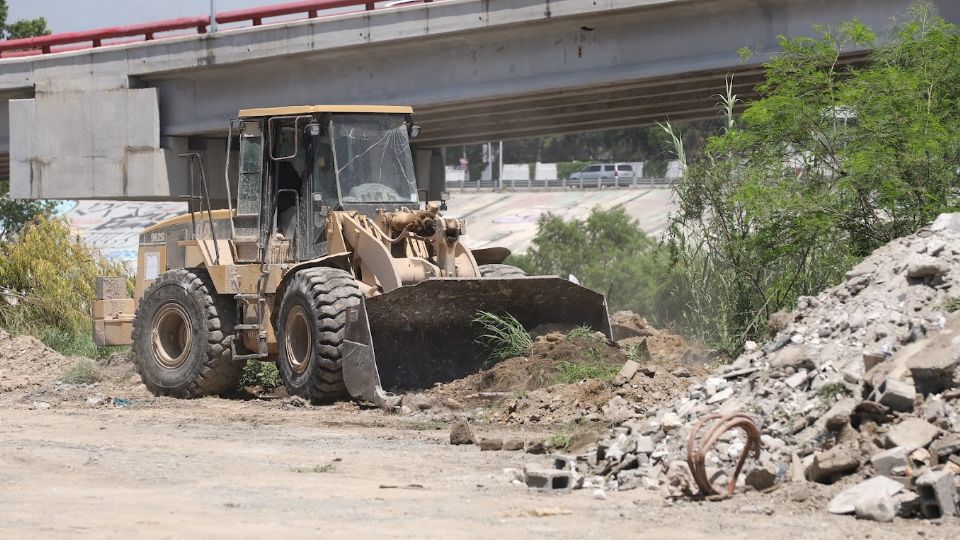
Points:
(424, 334)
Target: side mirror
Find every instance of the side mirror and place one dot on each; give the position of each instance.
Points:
(313, 129)
(414, 131)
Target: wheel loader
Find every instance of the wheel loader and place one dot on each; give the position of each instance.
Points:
(325, 261)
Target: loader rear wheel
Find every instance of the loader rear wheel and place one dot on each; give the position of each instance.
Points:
(501, 271)
(181, 334)
(310, 327)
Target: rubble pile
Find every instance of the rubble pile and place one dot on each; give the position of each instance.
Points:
(862, 382)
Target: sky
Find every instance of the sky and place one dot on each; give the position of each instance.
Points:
(73, 15)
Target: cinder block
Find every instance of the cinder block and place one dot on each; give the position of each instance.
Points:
(938, 496)
(546, 479)
(113, 309)
(112, 288)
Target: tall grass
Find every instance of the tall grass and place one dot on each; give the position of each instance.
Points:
(504, 337)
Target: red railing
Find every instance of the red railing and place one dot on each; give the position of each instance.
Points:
(95, 38)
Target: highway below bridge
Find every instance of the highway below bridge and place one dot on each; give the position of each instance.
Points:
(107, 119)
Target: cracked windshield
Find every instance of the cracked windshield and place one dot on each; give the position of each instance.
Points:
(374, 163)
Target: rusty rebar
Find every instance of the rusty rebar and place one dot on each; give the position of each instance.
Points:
(696, 453)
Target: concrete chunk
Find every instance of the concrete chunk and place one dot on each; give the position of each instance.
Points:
(838, 461)
(461, 433)
(845, 502)
(945, 447)
(875, 507)
(897, 395)
(627, 372)
(885, 462)
(911, 434)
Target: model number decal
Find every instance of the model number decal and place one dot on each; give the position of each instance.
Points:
(158, 237)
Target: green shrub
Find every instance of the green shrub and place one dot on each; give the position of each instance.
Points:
(85, 371)
(504, 337)
(263, 374)
(573, 372)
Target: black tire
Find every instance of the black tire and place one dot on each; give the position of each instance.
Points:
(500, 271)
(310, 326)
(189, 354)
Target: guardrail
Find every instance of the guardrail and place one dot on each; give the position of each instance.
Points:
(606, 183)
(73, 41)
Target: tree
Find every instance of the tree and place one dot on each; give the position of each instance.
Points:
(23, 28)
(833, 161)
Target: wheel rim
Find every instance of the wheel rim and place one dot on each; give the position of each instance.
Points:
(172, 336)
(298, 339)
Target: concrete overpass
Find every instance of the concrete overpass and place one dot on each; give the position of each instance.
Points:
(108, 122)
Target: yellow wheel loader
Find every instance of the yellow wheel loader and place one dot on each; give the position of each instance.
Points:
(324, 261)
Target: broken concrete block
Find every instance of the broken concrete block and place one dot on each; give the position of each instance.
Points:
(796, 379)
(671, 421)
(492, 444)
(839, 415)
(839, 461)
(645, 444)
(536, 447)
(461, 433)
(627, 372)
(795, 356)
(911, 434)
(875, 507)
(906, 504)
(938, 495)
(897, 394)
(886, 461)
(845, 502)
(547, 479)
(936, 370)
(680, 479)
(945, 446)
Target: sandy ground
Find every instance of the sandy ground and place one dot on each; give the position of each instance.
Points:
(217, 468)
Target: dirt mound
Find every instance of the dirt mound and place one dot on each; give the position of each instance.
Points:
(26, 363)
(571, 377)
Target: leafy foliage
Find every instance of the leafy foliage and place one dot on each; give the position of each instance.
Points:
(23, 28)
(263, 374)
(573, 372)
(609, 253)
(833, 161)
(85, 371)
(49, 279)
(504, 337)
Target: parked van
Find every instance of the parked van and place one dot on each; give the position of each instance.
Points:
(609, 174)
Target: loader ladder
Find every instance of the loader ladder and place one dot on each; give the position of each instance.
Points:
(245, 300)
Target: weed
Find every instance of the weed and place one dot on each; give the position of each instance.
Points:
(952, 305)
(830, 392)
(503, 336)
(595, 355)
(263, 374)
(580, 332)
(74, 343)
(559, 441)
(572, 372)
(318, 469)
(85, 371)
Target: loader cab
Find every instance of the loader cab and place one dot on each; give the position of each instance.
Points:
(297, 164)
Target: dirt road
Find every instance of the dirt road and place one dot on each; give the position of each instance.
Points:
(220, 468)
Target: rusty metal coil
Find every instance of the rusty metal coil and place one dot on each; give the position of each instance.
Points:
(697, 447)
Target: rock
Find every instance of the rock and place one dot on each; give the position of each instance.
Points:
(671, 421)
(40, 405)
(875, 507)
(491, 444)
(796, 357)
(897, 395)
(720, 396)
(461, 433)
(681, 372)
(513, 475)
(626, 373)
(938, 495)
(513, 444)
(838, 461)
(416, 402)
(936, 369)
(599, 494)
(796, 379)
(645, 445)
(845, 502)
(750, 346)
(911, 434)
(97, 400)
(885, 462)
(838, 415)
(945, 447)
(536, 447)
(680, 479)
(617, 410)
(760, 478)
(923, 266)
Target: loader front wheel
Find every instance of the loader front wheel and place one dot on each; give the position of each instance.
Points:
(500, 271)
(181, 334)
(310, 327)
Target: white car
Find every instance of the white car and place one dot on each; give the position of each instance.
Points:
(608, 173)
